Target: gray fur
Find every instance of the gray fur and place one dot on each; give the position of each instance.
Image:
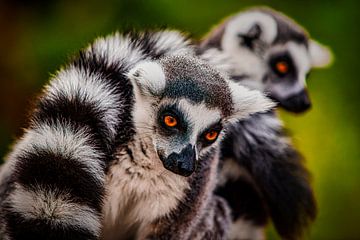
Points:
(185, 80)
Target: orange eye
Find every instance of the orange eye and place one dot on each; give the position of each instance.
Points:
(282, 67)
(170, 121)
(211, 136)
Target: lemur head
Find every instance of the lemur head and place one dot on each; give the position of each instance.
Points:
(183, 105)
(270, 52)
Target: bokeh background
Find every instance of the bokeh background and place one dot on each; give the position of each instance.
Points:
(36, 37)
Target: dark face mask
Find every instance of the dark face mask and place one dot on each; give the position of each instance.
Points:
(297, 103)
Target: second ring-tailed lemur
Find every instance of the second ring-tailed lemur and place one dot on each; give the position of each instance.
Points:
(122, 144)
(263, 174)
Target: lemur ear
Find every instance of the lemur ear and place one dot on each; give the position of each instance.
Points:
(255, 31)
(320, 55)
(247, 102)
(251, 35)
(148, 78)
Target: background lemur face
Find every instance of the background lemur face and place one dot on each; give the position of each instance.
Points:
(183, 112)
(288, 67)
(270, 52)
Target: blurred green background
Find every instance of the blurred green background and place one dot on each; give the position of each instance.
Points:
(36, 37)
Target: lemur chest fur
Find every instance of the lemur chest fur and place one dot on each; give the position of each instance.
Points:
(139, 190)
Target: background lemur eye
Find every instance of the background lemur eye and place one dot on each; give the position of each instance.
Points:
(282, 67)
(170, 121)
(211, 135)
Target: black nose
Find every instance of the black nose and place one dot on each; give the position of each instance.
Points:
(297, 103)
(183, 163)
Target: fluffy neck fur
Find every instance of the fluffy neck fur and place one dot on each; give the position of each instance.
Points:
(140, 190)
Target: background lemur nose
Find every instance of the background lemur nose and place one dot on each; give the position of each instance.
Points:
(297, 103)
(182, 163)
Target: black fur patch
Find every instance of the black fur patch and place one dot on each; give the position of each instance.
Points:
(21, 228)
(185, 88)
(146, 41)
(79, 114)
(244, 200)
(291, 75)
(248, 39)
(279, 174)
(53, 171)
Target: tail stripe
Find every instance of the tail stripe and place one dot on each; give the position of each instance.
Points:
(65, 141)
(53, 205)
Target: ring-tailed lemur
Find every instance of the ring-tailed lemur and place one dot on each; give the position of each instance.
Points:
(123, 144)
(263, 174)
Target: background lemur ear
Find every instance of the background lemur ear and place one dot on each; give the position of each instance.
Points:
(320, 55)
(247, 102)
(255, 31)
(148, 78)
(253, 34)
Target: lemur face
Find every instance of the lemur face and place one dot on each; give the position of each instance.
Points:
(288, 67)
(183, 113)
(184, 131)
(270, 52)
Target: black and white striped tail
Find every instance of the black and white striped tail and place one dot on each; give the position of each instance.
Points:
(56, 185)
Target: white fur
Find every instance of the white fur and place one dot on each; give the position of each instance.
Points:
(243, 229)
(232, 64)
(243, 22)
(117, 48)
(200, 116)
(148, 77)
(247, 101)
(89, 88)
(143, 112)
(139, 191)
(148, 80)
(301, 58)
(55, 206)
(62, 139)
(320, 55)
(246, 62)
